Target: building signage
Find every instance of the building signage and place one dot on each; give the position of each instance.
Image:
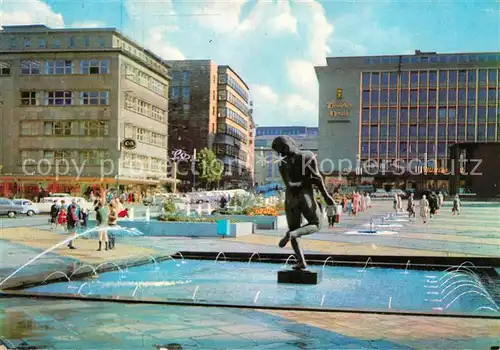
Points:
(129, 143)
(179, 154)
(339, 108)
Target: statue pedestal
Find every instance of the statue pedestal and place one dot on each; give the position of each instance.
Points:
(299, 277)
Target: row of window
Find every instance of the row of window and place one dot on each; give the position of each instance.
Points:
(64, 67)
(145, 80)
(85, 157)
(404, 149)
(55, 42)
(64, 98)
(223, 128)
(142, 107)
(142, 162)
(65, 128)
(230, 150)
(433, 58)
(235, 117)
(423, 78)
(227, 79)
(146, 136)
(430, 115)
(431, 97)
(228, 96)
(176, 77)
(175, 92)
(450, 132)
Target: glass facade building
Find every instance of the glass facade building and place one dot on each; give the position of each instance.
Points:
(411, 113)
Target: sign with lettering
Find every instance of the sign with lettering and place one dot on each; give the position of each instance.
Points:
(129, 143)
(179, 154)
(339, 108)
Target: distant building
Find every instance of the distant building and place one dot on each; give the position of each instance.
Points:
(69, 97)
(210, 107)
(266, 170)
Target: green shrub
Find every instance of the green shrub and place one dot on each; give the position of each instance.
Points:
(169, 206)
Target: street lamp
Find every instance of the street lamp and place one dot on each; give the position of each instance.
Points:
(193, 158)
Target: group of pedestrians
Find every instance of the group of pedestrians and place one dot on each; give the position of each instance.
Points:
(358, 203)
(431, 203)
(69, 217)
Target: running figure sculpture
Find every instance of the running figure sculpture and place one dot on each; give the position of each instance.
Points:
(300, 173)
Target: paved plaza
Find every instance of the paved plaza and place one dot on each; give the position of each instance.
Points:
(83, 324)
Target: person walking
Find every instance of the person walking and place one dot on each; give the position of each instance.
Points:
(62, 218)
(424, 209)
(368, 200)
(411, 206)
(395, 202)
(72, 223)
(54, 212)
(440, 199)
(456, 205)
(112, 219)
(330, 213)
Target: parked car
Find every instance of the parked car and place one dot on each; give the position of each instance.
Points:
(29, 208)
(399, 192)
(7, 207)
(379, 193)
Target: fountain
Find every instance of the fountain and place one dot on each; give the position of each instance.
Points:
(199, 210)
(406, 268)
(470, 292)
(322, 300)
(137, 287)
(209, 209)
(390, 303)
(94, 271)
(470, 285)
(131, 214)
(110, 263)
(255, 253)
(194, 292)
(56, 273)
(153, 260)
(288, 259)
(366, 264)
(218, 255)
(256, 297)
(148, 214)
(326, 260)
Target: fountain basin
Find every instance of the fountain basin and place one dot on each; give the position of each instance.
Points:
(262, 222)
(381, 225)
(242, 283)
(369, 232)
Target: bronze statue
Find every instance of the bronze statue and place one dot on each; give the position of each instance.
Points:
(300, 173)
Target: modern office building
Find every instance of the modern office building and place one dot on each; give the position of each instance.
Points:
(210, 107)
(266, 167)
(403, 112)
(69, 98)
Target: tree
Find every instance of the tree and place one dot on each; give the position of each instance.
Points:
(209, 168)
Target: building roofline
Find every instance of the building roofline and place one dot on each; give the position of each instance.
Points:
(22, 29)
(235, 73)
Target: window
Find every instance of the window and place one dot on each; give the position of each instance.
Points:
(365, 131)
(432, 115)
(413, 97)
(383, 132)
(94, 128)
(443, 77)
(94, 98)
(59, 67)
(442, 115)
(404, 78)
(442, 96)
(452, 113)
(223, 79)
(393, 115)
(422, 115)
(56, 44)
(383, 149)
(482, 95)
(471, 95)
(30, 67)
(101, 41)
(29, 98)
(452, 132)
(175, 77)
(186, 93)
(365, 115)
(374, 132)
(462, 96)
(375, 98)
(404, 97)
(384, 97)
(432, 97)
(393, 97)
(365, 78)
(402, 149)
(414, 79)
(413, 131)
(471, 77)
(374, 115)
(364, 148)
(452, 77)
(462, 77)
(492, 77)
(59, 128)
(58, 98)
(403, 131)
(185, 77)
(403, 115)
(92, 157)
(413, 115)
(422, 97)
(471, 114)
(175, 92)
(373, 150)
(492, 96)
(365, 97)
(29, 155)
(392, 148)
(385, 79)
(42, 43)
(12, 42)
(481, 114)
(431, 131)
(393, 80)
(158, 113)
(491, 132)
(432, 78)
(71, 41)
(422, 132)
(492, 114)
(482, 76)
(481, 132)
(29, 128)
(375, 79)
(461, 114)
(423, 79)
(27, 42)
(452, 96)
(94, 66)
(86, 41)
(55, 157)
(383, 115)
(461, 131)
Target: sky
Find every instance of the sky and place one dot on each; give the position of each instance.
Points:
(274, 45)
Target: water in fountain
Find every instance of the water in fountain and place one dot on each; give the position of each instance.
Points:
(390, 303)
(94, 272)
(485, 308)
(57, 273)
(194, 293)
(218, 255)
(255, 253)
(406, 268)
(366, 264)
(256, 297)
(111, 263)
(322, 300)
(469, 285)
(326, 260)
(62, 243)
(199, 210)
(288, 259)
(443, 290)
(471, 292)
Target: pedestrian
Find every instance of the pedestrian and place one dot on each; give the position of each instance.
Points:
(411, 206)
(62, 218)
(440, 199)
(350, 208)
(84, 215)
(424, 208)
(112, 218)
(330, 213)
(72, 223)
(54, 212)
(395, 202)
(456, 205)
(368, 200)
(100, 217)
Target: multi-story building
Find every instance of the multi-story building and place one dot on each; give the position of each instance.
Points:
(266, 165)
(69, 98)
(404, 112)
(210, 107)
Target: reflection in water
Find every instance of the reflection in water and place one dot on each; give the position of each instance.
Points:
(16, 325)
